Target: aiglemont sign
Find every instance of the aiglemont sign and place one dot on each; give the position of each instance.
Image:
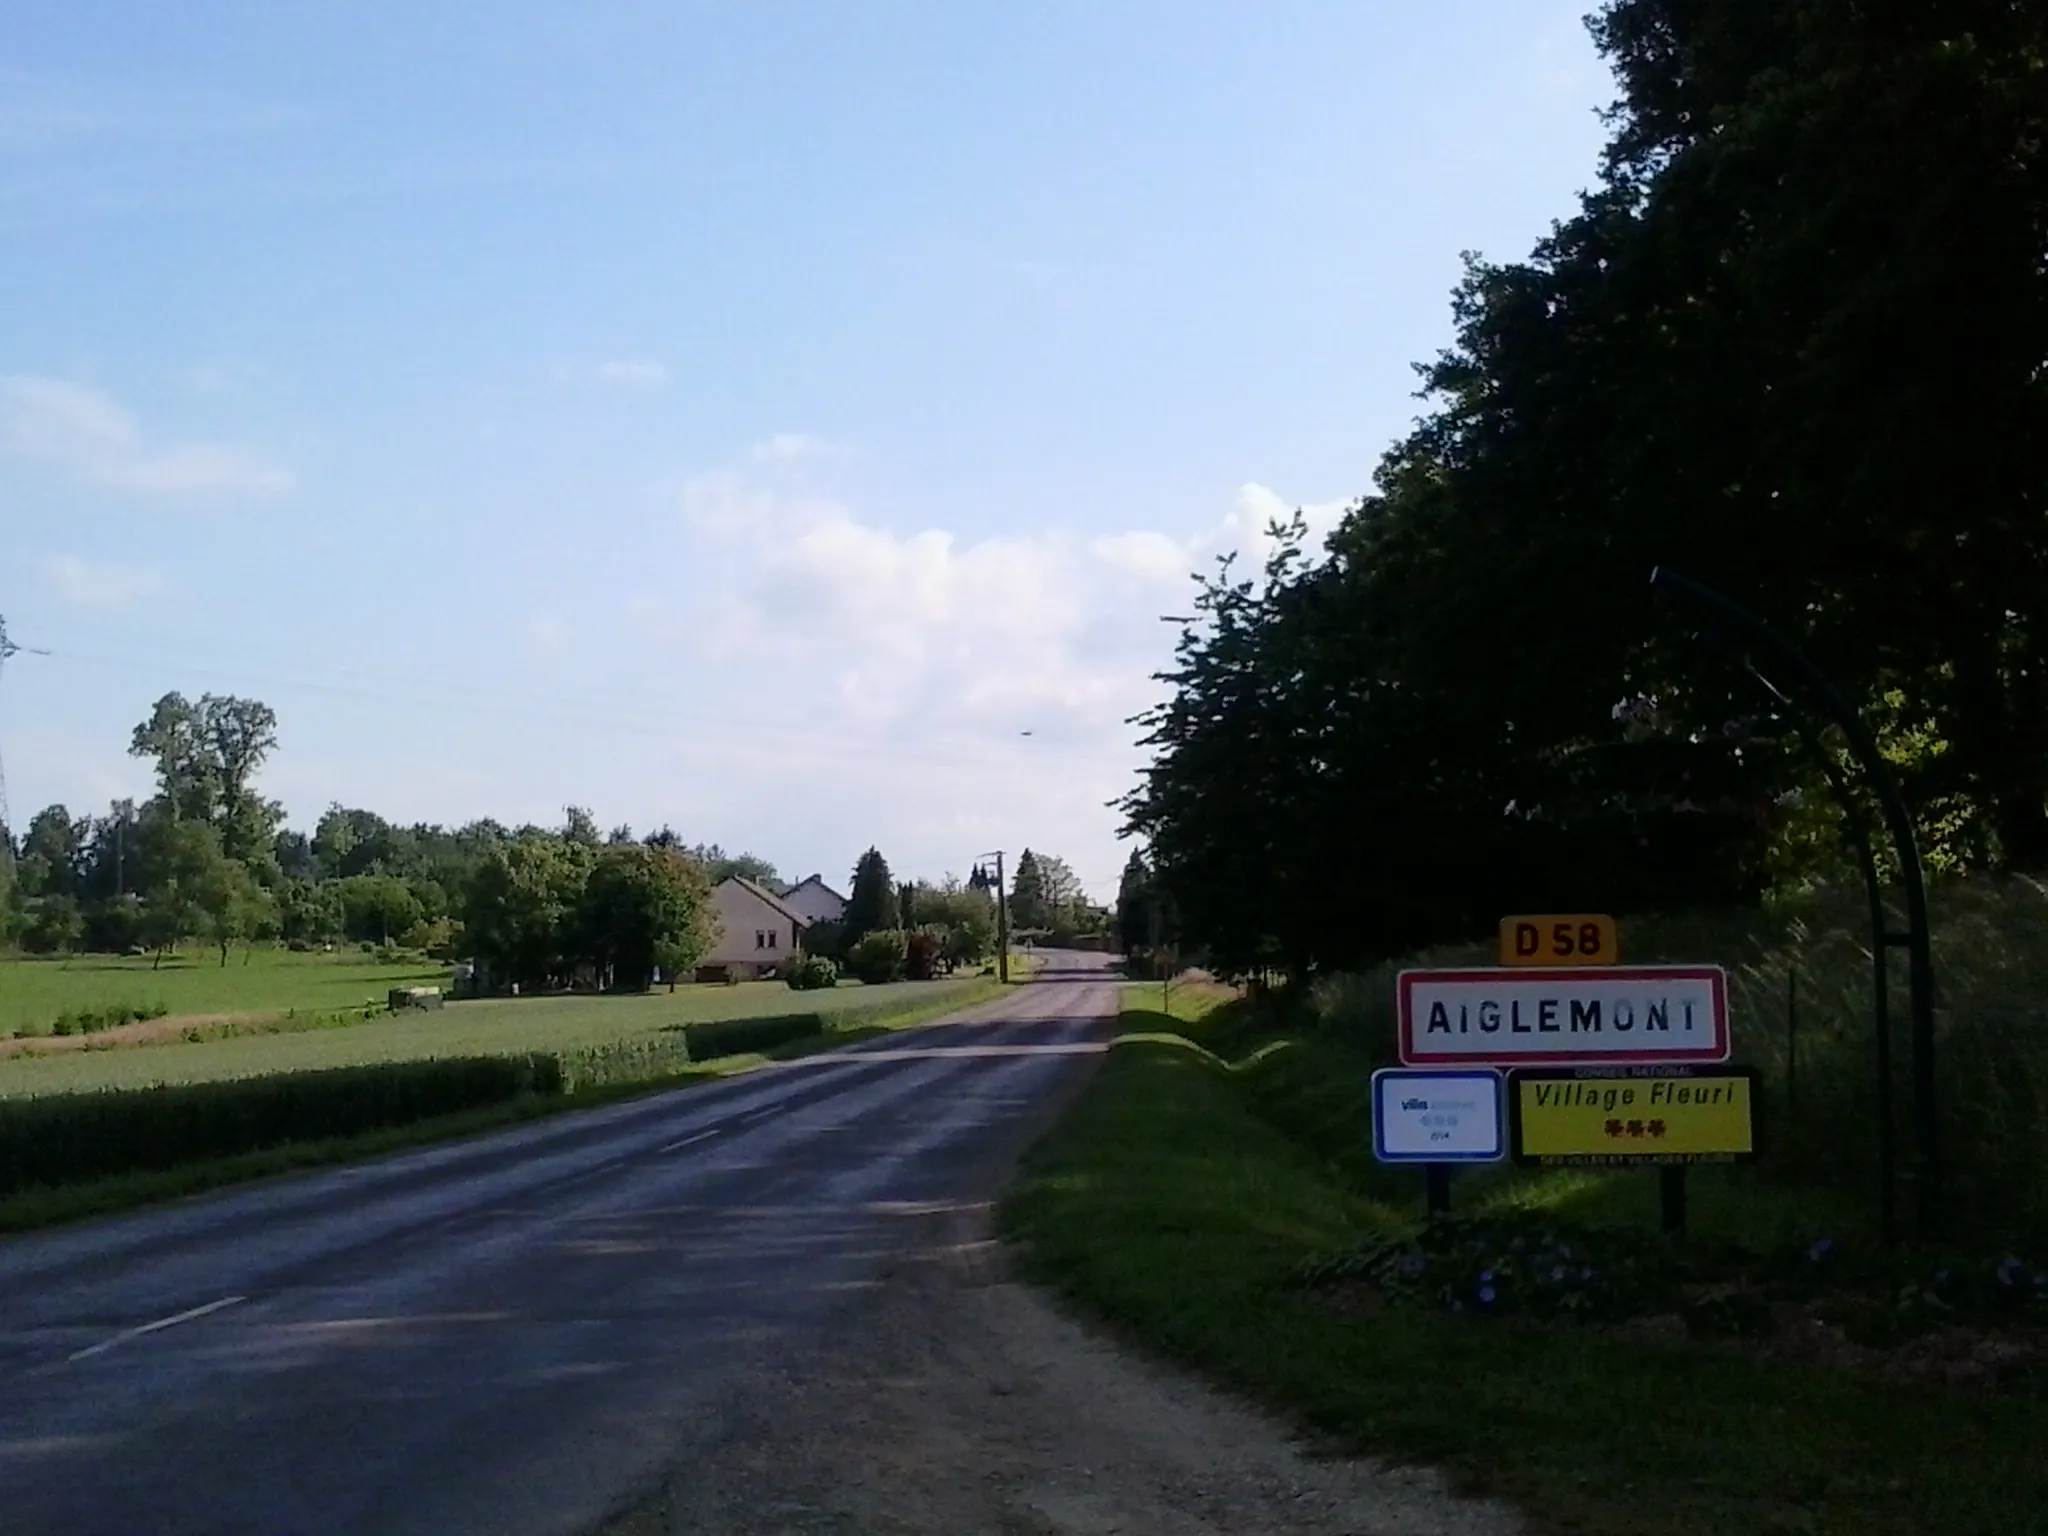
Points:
(1612, 1014)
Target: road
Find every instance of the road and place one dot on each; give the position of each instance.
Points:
(517, 1333)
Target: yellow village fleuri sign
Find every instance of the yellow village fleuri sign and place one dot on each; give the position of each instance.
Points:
(1633, 1115)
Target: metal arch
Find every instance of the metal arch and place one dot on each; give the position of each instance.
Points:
(1928, 1207)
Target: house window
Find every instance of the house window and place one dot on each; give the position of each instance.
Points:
(774, 937)
(760, 938)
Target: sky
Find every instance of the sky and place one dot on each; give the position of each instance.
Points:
(785, 421)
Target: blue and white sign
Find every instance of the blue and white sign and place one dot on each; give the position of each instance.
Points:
(1424, 1116)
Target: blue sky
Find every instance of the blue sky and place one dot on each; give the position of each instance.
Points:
(751, 416)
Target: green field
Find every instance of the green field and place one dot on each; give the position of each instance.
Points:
(33, 992)
(495, 1026)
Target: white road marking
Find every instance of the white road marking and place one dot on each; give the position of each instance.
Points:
(688, 1140)
(161, 1323)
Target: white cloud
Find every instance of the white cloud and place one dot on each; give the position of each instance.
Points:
(787, 448)
(901, 667)
(102, 586)
(90, 436)
(1153, 558)
(634, 372)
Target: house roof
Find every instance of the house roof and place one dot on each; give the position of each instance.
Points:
(769, 897)
(819, 882)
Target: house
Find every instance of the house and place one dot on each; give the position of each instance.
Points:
(816, 900)
(755, 932)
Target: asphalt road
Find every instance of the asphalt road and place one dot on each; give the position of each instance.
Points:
(512, 1334)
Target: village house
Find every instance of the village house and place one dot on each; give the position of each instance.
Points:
(815, 900)
(756, 932)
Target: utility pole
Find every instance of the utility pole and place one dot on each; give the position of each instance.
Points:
(1002, 924)
(1002, 910)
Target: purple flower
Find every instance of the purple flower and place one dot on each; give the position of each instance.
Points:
(1486, 1294)
(1586, 1273)
(1821, 1249)
(1557, 1274)
(1485, 1275)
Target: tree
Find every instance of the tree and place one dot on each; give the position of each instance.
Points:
(1811, 266)
(719, 865)
(180, 861)
(54, 926)
(1060, 888)
(1028, 906)
(516, 910)
(310, 912)
(207, 756)
(964, 917)
(1134, 905)
(230, 904)
(871, 905)
(52, 854)
(580, 827)
(376, 908)
(642, 908)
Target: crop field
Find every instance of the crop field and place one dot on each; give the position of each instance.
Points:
(33, 992)
(489, 1027)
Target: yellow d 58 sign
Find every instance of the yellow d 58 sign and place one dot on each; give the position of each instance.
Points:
(1586, 938)
(1633, 1115)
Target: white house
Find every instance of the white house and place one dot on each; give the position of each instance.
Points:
(815, 900)
(756, 931)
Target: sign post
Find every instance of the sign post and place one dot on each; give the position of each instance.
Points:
(1437, 1119)
(1604, 1063)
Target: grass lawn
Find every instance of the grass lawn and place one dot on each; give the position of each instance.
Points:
(1178, 1197)
(35, 991)
(485, 1027)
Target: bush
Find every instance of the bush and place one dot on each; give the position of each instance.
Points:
(438, 939)
(810, 973)
(879, 957)
(68, 1137)
(88, 1021)
(625, 1061)
(735, 1037)
(923, 951)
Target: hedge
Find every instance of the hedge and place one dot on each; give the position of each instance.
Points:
(68, 1137)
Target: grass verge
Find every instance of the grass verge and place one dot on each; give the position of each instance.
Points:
(1173, 1204)
(55, 1204)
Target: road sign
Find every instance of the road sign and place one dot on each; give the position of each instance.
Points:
(1437, 1117)
(1585, 938)
(1633, 1114)
(1626, 1013)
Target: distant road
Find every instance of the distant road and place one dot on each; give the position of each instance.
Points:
(510, 1334)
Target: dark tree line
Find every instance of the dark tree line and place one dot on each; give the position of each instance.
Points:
(1793, 343)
